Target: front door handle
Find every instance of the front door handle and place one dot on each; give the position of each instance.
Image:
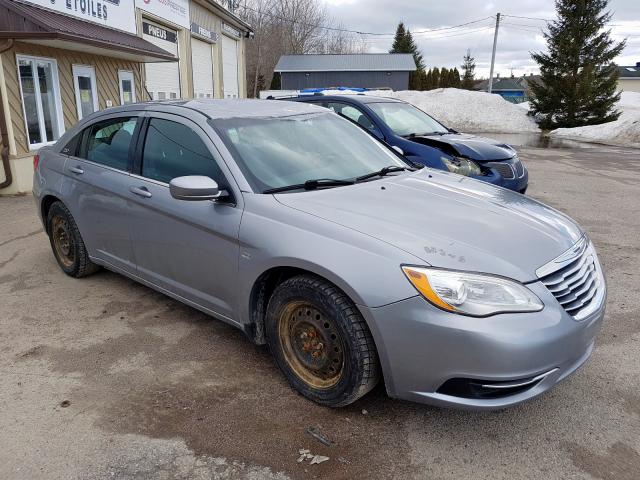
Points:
(76, 170)
(141, 191)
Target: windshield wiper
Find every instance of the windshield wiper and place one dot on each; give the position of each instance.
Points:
(311, 185)
(412, 135)
(382, 172)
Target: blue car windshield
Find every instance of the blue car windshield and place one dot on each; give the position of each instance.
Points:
(405, 119)
(281, 151)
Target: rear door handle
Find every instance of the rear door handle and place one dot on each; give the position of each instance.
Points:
(76, 170)
(141, 191)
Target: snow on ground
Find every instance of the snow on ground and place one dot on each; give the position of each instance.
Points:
(624, 131)
(464, 110)
(471, 111)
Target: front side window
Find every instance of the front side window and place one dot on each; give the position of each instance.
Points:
(278, 152)
(406, 120)
(40, 99)
(173, 150)
(108, 142)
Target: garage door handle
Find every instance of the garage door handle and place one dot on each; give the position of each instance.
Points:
(76, 170)
(141, 191)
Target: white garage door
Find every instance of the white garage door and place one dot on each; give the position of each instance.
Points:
(230, 67)
(202, 61)
(163, 78)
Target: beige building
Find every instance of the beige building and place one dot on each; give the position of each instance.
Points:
(61, 60)
(629, 78)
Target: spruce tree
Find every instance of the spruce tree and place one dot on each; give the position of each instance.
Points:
(435, 76)
(275, 81)
(578, 78)
(428, 82)
(468, 71)
(422, 80)
(444, 77)
(403, 43)
(400, 44)
(456, 78)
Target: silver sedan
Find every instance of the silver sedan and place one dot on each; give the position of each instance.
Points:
(351, 264)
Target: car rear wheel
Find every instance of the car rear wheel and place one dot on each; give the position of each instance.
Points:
(320, 341)
(66, 242)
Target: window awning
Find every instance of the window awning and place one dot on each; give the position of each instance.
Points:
(28, 23)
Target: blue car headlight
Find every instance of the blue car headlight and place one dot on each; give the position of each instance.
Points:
(462, 166)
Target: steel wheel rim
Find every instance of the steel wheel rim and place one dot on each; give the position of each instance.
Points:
(311, 344)
(63, 241)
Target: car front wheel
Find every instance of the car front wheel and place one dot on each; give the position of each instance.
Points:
(320, 341)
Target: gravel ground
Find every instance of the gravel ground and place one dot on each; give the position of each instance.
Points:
(104, 378)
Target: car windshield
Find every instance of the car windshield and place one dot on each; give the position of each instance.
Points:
(405, 119)
(279, 152)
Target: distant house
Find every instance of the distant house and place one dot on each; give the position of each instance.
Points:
(526, 81)
(629, 80)
(511, 89)
(369, 70)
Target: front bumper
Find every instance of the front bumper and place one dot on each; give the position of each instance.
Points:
(422, 347)
(519, 183)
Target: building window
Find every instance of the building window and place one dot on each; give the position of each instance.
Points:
(127, 87)
(84, 83)
(40, 92)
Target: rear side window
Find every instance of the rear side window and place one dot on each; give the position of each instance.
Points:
(348, 111)
(173, 150)
(354, 114)
(108, 142)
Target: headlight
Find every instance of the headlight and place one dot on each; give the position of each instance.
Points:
(472, 293)
(462, 166)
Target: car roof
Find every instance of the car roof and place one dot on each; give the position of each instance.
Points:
(356, 98)
(225, 108)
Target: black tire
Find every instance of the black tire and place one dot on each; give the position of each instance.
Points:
(306, 304)
(66, 242)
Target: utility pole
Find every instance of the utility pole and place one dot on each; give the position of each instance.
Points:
(493, 54)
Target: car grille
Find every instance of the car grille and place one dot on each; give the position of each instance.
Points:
(519, 167)
(503, 168)
(578, 283)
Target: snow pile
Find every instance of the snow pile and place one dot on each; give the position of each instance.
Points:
(624, 131)
(464, 110)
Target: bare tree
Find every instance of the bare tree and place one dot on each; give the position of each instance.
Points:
(290, 27)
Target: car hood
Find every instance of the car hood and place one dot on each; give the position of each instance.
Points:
(448, 221)
(469, 146)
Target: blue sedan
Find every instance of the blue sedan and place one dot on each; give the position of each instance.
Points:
(424, 140)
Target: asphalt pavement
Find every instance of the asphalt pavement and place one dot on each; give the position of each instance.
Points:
(105, 378)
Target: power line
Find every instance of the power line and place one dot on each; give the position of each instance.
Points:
(522, 29)
(525, 24)
(436, 37)
(347, 30)
(528, 18)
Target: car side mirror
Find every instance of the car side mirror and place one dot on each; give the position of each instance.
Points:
(398, 149)
(196, 187)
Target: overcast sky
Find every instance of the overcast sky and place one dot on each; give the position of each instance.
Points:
(517, 36)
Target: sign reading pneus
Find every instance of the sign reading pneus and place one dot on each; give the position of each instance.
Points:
(159, 32)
